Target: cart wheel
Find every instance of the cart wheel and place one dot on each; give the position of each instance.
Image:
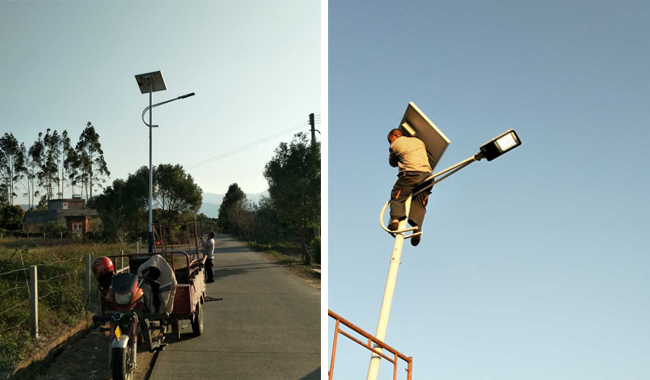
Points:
(197, 321)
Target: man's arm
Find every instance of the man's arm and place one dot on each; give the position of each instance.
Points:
(392, 158)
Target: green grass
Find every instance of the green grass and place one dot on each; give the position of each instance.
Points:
(62, 289)
(288, 255)
(288, 252)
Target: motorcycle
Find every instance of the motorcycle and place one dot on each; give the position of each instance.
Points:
(130, 324)
(127, 300)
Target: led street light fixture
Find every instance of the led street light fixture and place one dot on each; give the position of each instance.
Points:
(186, 96)
(499, 145)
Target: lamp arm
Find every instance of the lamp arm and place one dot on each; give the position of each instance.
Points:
(160, 104)
(144, 112)
(426, 186)
(448, 172)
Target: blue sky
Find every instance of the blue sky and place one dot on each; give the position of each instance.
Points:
(254, 66)
(534, 265)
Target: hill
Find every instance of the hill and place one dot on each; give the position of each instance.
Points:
(212, 202)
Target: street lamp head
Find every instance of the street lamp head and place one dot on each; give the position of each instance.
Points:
(186, 96)
(499, 145)
(151, 82)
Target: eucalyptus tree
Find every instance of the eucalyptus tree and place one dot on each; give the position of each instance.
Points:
(64, 162)
(33, 160)
(11, 164)
(90, 163)
(49, 169)
(72, 161)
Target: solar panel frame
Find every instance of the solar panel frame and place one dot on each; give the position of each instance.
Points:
(416, 124)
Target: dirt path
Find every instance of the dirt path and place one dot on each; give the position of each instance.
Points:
(88, 359)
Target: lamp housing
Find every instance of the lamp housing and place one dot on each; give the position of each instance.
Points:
(499, 145)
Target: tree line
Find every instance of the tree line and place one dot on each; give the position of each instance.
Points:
(290, 213)
(124, 205)
(51, 164)
(46, 168)
(292, 209)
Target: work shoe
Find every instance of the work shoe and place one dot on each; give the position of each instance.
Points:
(415, 240)
(209, 281)
(393, 225)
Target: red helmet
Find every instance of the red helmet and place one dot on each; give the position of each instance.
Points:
(101, 266)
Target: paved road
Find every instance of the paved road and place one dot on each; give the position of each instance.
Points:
(266, 327)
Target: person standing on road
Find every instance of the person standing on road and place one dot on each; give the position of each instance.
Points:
(208, 251)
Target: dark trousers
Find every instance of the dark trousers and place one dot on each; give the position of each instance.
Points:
(403, 188)
(208, 269)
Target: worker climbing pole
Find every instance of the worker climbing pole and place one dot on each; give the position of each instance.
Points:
(416, 147)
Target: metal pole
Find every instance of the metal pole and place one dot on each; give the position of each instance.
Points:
(336, 336)
(89, 259)
(196, 240)
(313, 128)
(150, 172)
(384, 313)
(33, 288)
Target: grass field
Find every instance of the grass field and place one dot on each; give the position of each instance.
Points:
(63, 298)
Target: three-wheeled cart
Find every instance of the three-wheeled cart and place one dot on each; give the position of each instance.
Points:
(190, 290)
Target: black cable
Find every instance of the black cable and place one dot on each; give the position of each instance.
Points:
(247, 146)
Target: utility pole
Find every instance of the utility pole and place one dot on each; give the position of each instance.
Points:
(313, 129)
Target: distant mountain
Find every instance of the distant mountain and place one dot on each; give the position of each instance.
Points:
(212, 202)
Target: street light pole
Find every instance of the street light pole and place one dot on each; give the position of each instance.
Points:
(150, 170)
(155, 82)
(387, 301)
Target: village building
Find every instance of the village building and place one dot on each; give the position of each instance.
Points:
(70, 213)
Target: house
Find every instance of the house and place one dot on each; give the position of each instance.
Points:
(71, 213)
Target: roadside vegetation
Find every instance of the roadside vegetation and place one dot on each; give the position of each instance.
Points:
(63, 299)
(124, 205)
(289, 256)
(287, 223)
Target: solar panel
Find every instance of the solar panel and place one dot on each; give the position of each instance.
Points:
(416, 124)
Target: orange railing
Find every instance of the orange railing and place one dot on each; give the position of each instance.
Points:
(371, 339)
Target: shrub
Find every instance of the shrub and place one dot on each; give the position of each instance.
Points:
(54, 230)
(315, 246)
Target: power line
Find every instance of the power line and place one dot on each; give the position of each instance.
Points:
(247, 146)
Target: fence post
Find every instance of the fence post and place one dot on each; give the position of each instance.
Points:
(137, 246)
(89, 258)
(33, 304)
(122, 260)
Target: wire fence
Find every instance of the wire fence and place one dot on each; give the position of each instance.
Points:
(43, 288)
(53, 278)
